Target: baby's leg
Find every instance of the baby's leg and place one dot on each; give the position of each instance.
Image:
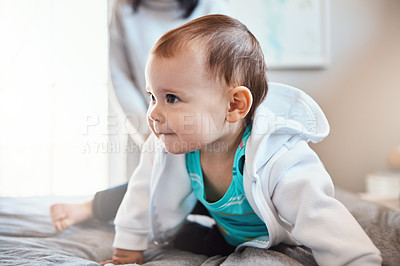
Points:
(199, 239)
(103, 207)
(65, 215)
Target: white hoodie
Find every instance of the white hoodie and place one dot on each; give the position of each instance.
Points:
(284, 181)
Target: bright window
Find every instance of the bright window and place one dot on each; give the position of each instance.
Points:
(53, 96)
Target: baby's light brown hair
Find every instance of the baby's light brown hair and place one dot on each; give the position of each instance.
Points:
(233, 55)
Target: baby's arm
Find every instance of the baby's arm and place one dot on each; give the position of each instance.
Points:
(304, 198)
(132, 221)
(123, 256)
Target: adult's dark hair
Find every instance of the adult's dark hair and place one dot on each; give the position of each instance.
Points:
(186, 5)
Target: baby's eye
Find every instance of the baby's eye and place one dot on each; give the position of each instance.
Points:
(172, 98)
(151, 96)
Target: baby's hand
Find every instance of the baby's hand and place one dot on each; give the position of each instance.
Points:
(124, 256)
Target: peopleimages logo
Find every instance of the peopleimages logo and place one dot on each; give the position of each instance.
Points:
(188, 124)
(114, 124)
(195, 123)
(111, 147)
(117, 147)
(283, 124)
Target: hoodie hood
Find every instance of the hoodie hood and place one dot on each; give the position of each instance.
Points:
(285, 116)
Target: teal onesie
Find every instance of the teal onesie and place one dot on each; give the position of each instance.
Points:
(233, 214)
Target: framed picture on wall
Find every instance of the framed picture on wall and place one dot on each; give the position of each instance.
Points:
(293, 33)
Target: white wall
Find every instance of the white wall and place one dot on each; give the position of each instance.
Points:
(359, 91)
(53, 97)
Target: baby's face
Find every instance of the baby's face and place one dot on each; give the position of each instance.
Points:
(187, 109)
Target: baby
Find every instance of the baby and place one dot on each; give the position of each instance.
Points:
(219, 139)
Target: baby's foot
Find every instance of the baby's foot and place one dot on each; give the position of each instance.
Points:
(65, 215)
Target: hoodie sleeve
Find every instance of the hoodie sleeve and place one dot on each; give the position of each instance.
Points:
(132, 222)
(303, 198)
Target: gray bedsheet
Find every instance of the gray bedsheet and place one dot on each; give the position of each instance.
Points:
(27, 237)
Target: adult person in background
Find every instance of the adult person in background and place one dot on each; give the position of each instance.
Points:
(134, 27)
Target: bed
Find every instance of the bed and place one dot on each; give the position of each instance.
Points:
(27, 237)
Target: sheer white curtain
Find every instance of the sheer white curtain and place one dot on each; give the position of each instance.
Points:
(53, 97)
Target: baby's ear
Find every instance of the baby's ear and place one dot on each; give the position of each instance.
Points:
(240, 101)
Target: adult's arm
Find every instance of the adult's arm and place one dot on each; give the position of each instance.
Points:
(125, 96)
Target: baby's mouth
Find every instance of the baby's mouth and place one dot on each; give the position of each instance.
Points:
(162, 132)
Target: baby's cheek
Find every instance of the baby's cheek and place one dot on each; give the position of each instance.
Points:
(182, 126)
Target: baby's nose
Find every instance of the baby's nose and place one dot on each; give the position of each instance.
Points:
(154, 113)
